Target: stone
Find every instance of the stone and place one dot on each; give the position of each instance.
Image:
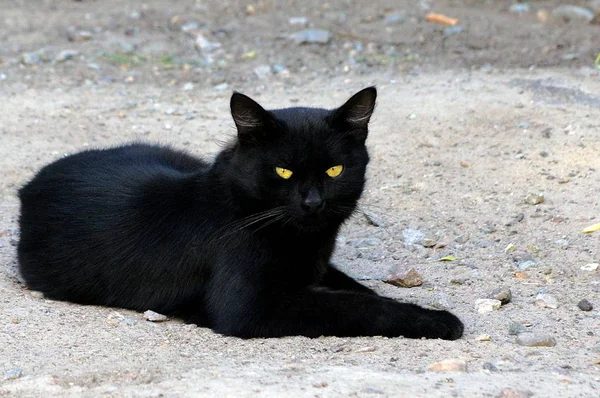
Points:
(441, 301)
(535, 340)
(591, 267)
(30, 58)
(484, 306)
(263, 71)
(404, 277)
(428, 242)
(364, 242)
(66, 55)
(511, 393)
(394, 18)
(573, 13)
(516, 328)
(489, 367)
(154, 316)
(544, 300)
(79, 35)
(585, 305)
(190, 26)
(373, 219)
(519, 8)
(221, 87)
(502, 293)
(534, 198)
(13, 374)
(484, 337)
(453, 30)
(412, 236)
(311, 36)
(301, 21)
(448, 365)
(204, 45)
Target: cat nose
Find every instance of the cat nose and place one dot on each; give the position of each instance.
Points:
(313, 202)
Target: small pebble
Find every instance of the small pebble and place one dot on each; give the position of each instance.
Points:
(373, 219)
(490, 367)
(519, 8)
(302, 21)
(573, 13)
(516, 328)
(364, 242)
(30, 58)
(534, 198)
(204, 45)
(510, 393)
(484, 306)
(448, 365)
(441, 301)
(221, 87)
(585, 305)
(394, 18)
(428, 242)
(404, 277)
(502, 293)
(366, 349)
(544, 300)
(79, 35)
(13, 374)
(188, 86)
(263, 71)
(453, 30)
(311, 36)
(66, 55)
(412, 236)
(154, 316)
(523, 125)
(484, 337)
(535, 340)
(590, 267)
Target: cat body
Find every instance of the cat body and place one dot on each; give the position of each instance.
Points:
(242, 245)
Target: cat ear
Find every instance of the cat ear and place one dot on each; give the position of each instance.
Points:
(355, 114)
(251, 119)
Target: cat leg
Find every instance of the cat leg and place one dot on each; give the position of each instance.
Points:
(319, 312)
(335, 279)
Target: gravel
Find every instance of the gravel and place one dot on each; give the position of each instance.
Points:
(503, 294)
(585, 305)
(152, 316)
(535, 340)
(449, 365)
(484, 306)
(404, 277)
(544, 300)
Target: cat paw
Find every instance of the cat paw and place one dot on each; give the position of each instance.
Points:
(447, 326)
(438, 325)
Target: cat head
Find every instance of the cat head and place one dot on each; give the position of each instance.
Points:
(304, 166)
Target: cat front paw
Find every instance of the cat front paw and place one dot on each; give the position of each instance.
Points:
(438, 325)
(447, 326)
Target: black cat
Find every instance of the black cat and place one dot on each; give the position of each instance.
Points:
(241, 246)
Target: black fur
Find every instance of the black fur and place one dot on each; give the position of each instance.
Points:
(232, 245)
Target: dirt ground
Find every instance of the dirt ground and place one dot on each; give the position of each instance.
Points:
(470, 121)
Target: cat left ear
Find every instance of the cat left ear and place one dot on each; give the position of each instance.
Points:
(355, 114)
(251, 119)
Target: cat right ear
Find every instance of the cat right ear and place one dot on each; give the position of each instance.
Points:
(355, 114)
(251, 119)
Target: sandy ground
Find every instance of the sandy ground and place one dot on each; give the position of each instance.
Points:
(456, 147)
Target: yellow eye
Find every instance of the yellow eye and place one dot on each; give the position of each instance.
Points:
(283, 173)
(335, 171)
